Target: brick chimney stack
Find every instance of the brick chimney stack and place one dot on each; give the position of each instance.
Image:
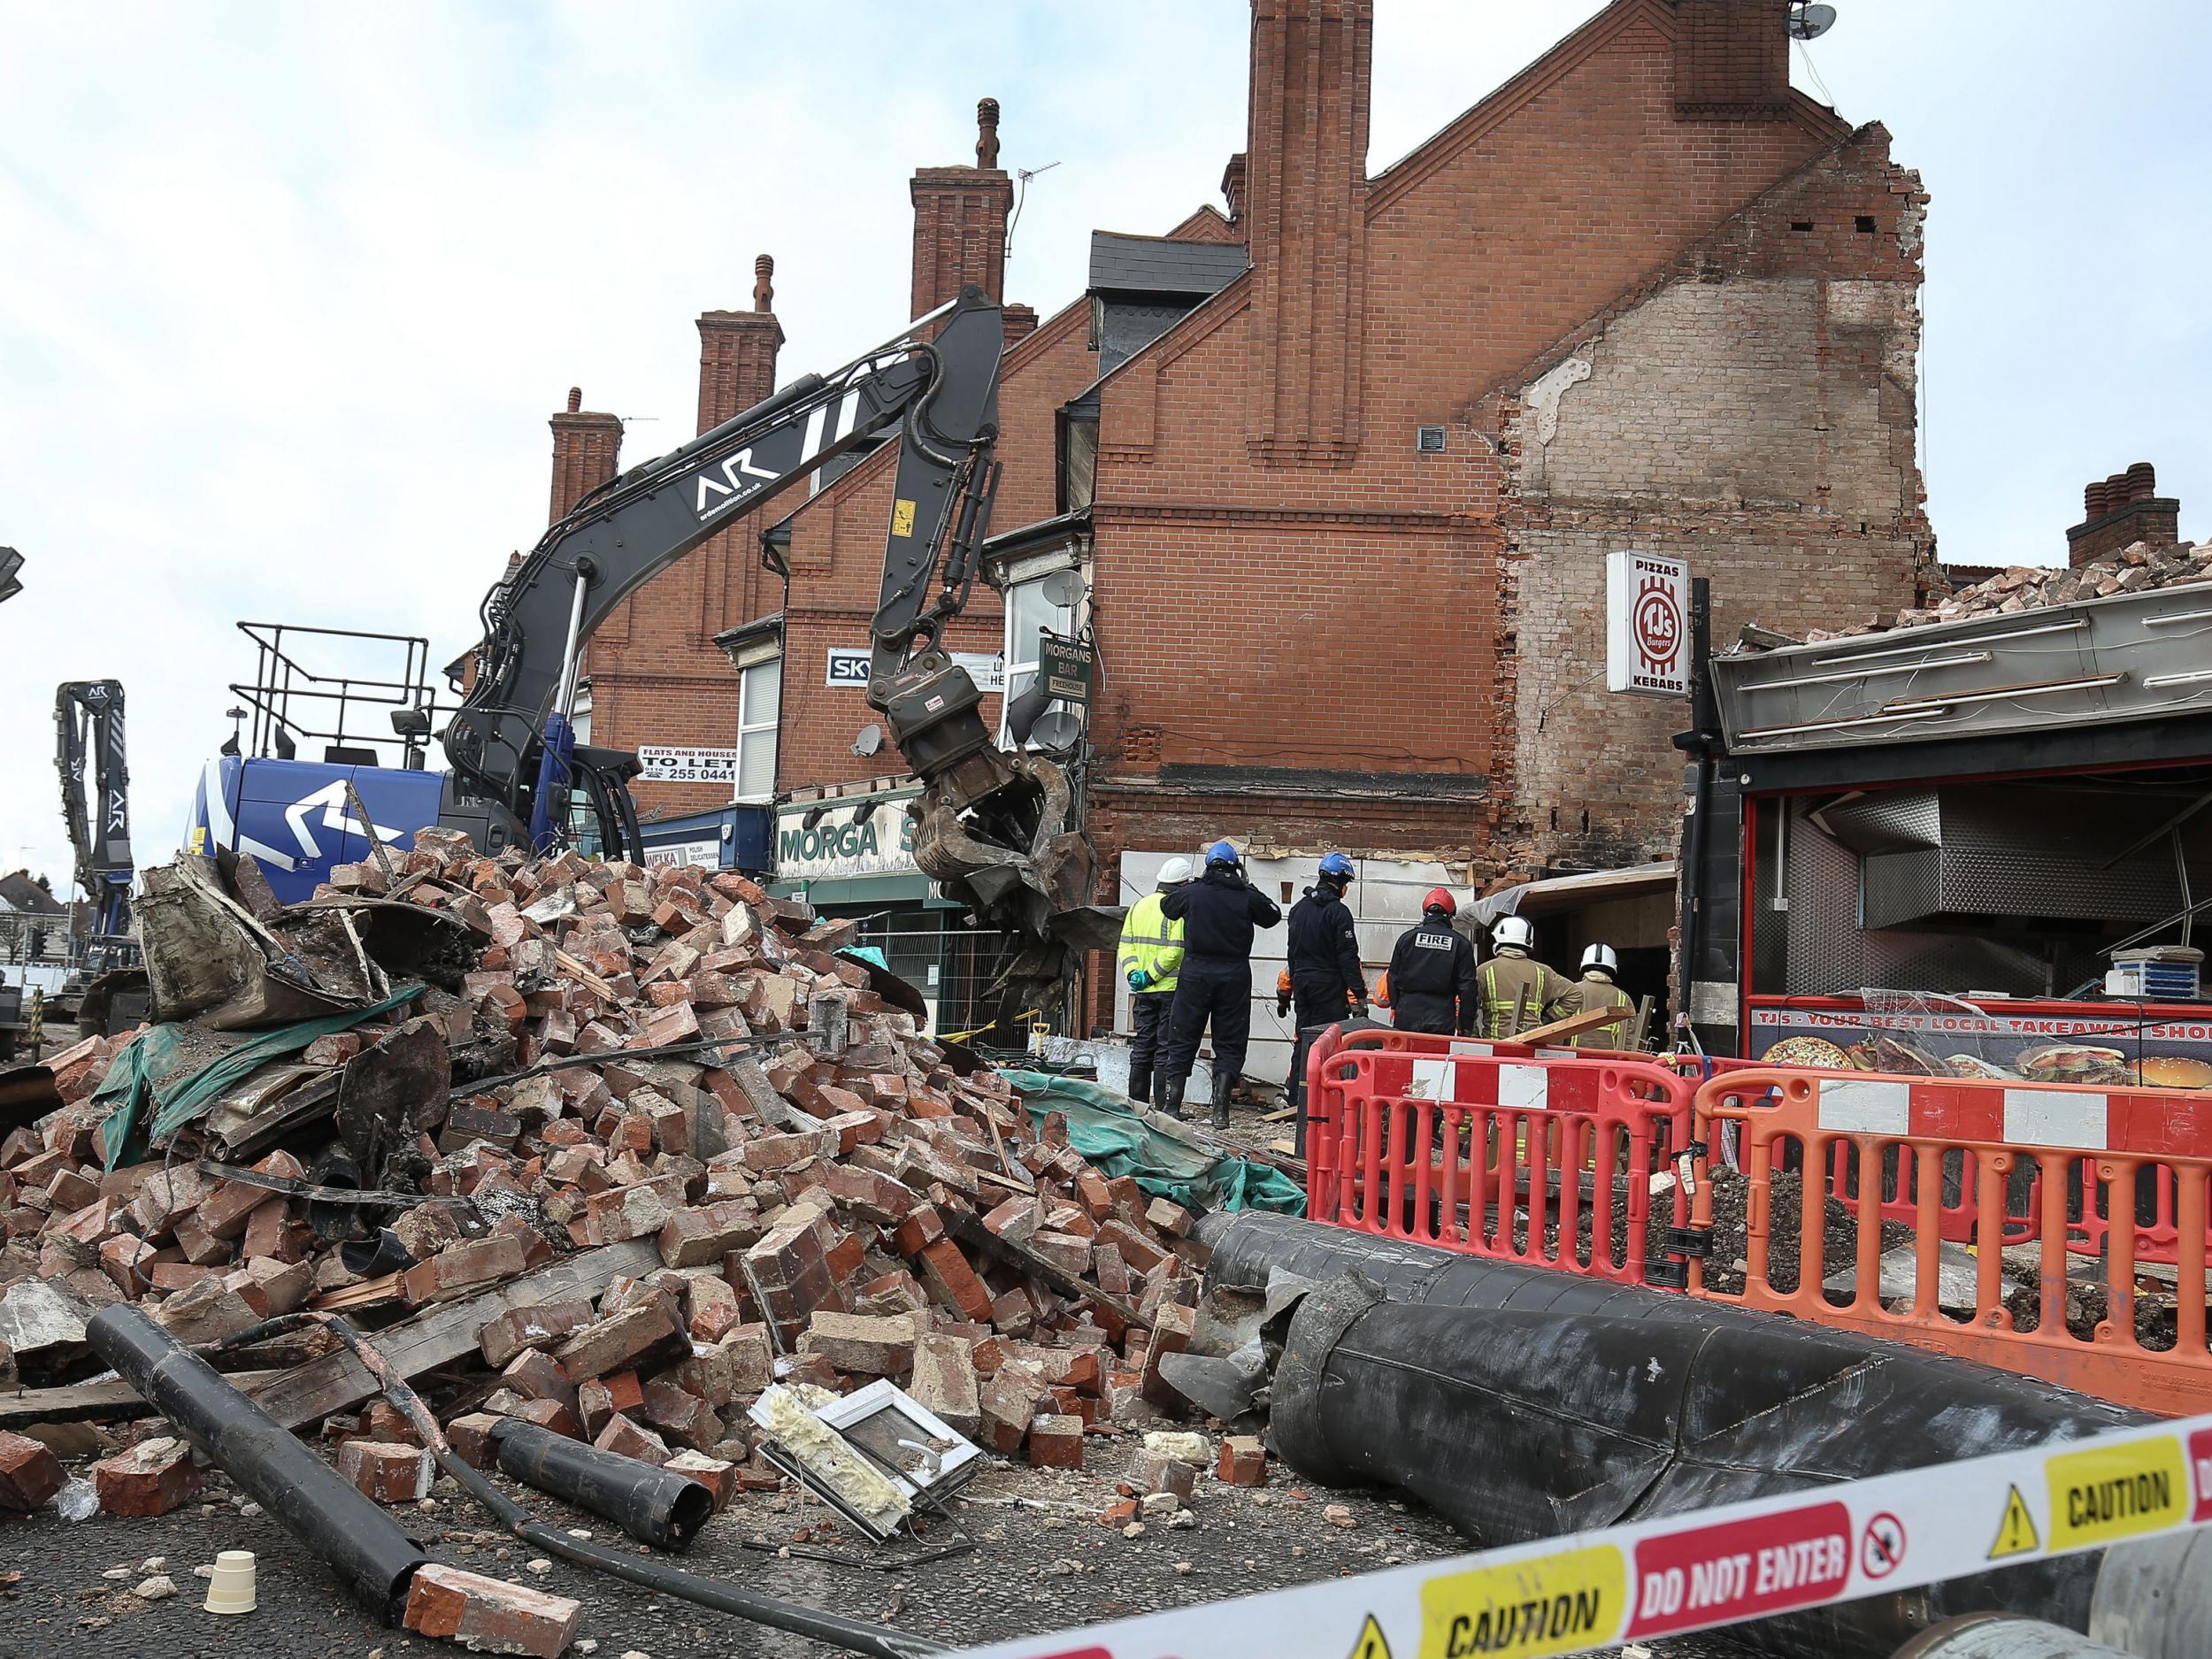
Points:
(1017, 321)
(586, 452)
(737, 352)
(1731, 59)
(1305, 207)
(2121, 511)
(960, 221)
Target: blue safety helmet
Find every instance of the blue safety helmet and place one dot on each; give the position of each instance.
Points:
(1336, 865)
(1221, 853)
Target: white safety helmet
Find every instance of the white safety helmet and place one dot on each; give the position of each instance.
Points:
(1175, 872)
(1600, 956)
(1515, 931)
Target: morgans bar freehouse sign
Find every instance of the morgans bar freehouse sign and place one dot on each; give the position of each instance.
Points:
(1646, 625)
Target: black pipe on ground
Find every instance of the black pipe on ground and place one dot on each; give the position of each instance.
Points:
(353, 1536)
(873, 1640)
(1524, 1404)
(649, 1503)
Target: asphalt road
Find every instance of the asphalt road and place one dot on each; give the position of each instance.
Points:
(1040, 1561)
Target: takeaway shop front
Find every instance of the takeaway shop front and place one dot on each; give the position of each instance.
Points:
(848, 851)
(1980, 848)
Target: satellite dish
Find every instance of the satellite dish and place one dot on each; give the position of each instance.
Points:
(1058, 732)
(1024, 711)
(1063, 589)
(869, 741)
(1810, 22)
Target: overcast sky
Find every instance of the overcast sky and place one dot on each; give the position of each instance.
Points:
(288, 290)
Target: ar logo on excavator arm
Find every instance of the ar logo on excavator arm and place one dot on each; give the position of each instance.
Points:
(735, 471)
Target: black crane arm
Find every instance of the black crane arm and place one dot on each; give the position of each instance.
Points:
(88, 732)
(942, 396)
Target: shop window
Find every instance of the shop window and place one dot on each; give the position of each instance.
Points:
(759, 704)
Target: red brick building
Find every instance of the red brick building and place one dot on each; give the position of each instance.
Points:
(1339, 507)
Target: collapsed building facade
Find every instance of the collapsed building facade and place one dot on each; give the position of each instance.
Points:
(1334, 468)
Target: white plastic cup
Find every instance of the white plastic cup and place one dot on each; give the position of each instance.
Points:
(230, 1586)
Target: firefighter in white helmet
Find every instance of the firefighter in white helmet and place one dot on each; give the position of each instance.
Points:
(1594, 990)
(1516, 987)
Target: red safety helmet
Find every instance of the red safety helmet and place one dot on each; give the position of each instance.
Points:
(1439, 899)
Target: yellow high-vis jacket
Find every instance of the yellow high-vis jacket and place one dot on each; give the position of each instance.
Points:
(1149, 940)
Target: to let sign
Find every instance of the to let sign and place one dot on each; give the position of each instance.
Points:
(1646, 625)
(687, 765)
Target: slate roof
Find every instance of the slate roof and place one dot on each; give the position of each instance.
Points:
(1160, 264)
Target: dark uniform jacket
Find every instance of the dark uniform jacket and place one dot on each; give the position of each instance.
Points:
(1325, 949)
(1432, 983)
(1218, 912)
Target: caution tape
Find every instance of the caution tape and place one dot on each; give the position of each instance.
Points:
(1692, 1572)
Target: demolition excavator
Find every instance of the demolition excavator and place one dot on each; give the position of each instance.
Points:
(994, 825)
(88, 733)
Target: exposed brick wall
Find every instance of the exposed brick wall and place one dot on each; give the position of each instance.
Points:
(1752, 410)
(1333, 599)
(1364, 616)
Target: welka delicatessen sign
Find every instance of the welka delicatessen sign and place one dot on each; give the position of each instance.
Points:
(869, 836)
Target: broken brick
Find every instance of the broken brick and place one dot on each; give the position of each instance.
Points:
(717, 1476)
(387, 1471)
(953, 1284)
(461, 1268)
(642, 1336)
(29, 1473)
(859, 1345)
(1243, 1462)
(152, 1477)
(1056, 1442)
(628, 1439)
(944, 1382)
(539, 1325)
(488, 1614)
(697, 1238)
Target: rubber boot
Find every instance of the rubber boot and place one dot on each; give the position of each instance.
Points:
(1168, 1093)
(1140, 1084)
(1222, 1086)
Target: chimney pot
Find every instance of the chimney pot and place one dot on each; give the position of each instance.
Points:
(960, 222)
(764, 287)
(2092, 501)
(2142, 481)
(575, 398)
(987, 133)
(1233, 187)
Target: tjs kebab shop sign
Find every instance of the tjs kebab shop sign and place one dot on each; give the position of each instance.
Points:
(1646, 625)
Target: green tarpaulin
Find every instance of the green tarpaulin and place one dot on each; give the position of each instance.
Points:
(1105, 1127)
(179, 1100)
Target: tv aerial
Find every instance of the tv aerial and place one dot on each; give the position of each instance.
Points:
(1810, 22)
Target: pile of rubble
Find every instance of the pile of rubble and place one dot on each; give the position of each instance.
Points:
(645, 1145)
(2029, 587)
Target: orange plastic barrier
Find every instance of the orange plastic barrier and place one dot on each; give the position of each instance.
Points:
(2021, 1174)
(2089, 1201)
(1488, 1147)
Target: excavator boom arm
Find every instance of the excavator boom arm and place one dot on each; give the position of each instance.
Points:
(88, 733)
(940, 397)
